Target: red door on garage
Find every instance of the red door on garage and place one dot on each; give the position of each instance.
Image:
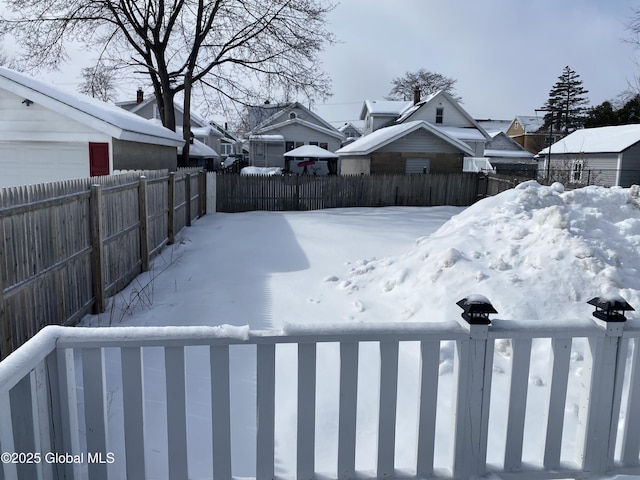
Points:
(98, 159)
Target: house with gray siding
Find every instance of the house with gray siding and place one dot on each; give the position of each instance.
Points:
(509, 158)
(431, 135)
(47, 134)
(288, 127)
(409, 147)
(608, 156)
(207, 139)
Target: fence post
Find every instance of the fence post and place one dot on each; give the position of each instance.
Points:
(5, 322)
(97, 253)
(171, 201)
(605, 360)
(144, 223)
(473, 370)
(187, 199)
(202, 193)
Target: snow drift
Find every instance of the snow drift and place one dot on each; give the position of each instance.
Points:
(535, 251)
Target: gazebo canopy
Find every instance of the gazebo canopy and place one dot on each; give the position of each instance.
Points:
(310, 151)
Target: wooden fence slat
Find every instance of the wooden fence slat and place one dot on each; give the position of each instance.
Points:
(97, 256)
(144, 223)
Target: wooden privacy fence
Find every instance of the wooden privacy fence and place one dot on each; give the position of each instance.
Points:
(240, 193)
(61, 391)
(66, 246)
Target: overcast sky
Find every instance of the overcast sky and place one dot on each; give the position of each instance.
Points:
(505, 54)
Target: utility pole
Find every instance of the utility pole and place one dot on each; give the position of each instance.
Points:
(548, 162)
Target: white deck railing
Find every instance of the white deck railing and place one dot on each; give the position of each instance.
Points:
(56, 396)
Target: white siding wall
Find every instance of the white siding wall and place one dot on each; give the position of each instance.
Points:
(39, 145)
(452, 116)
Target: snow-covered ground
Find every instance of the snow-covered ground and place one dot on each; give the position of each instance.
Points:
(536, 252)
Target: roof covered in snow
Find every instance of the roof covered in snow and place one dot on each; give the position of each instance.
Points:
(597, 140)
(372, 142)
(383, 107)
(101, 116)
(310, 151)
(530, 124)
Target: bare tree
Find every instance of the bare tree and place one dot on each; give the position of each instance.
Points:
(99, 82)
(427, 82)
(233, 50)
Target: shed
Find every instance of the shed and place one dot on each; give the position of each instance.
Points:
(47, 134)
(608, 156)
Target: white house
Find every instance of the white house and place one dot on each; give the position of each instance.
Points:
(431, 135)
(47, 134)
(287, 127)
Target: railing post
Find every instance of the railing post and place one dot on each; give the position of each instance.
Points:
(603, 372)
(97, 255)
(473, 370)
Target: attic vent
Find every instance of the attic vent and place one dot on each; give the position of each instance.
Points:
(292, 116)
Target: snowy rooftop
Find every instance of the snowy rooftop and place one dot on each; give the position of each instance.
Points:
(310, 151)
(597, 140)
(100, 115)
(384, 107)
(379, 138)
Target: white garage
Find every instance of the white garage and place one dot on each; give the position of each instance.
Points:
(48, 135)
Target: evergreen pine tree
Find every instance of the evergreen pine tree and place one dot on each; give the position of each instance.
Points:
(567, 103)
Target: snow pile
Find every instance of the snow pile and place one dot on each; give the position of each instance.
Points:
(536, 252)
(261, 171)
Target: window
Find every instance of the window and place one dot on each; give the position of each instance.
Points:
(313, 143)
(324, 145)
(439, 114)
(288, 146)
(576, 171)
(299, 144)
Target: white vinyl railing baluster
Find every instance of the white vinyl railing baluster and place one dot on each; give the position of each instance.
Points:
(220, 411)
(388, 408)
(95, 412)
(10, 469)
(429, 363)
(557, 395)
(520, 362)
(69, 409)
(265, 393)
(347, 415)
(174, 364)
(133, 414)
(306, 410)
(631, 435)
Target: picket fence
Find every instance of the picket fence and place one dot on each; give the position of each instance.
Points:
(54, 397)
(66, 246)
(240, 193)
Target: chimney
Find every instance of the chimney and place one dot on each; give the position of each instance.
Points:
(416, 95)
(139, 95)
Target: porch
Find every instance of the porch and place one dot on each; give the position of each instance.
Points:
(57, 391)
